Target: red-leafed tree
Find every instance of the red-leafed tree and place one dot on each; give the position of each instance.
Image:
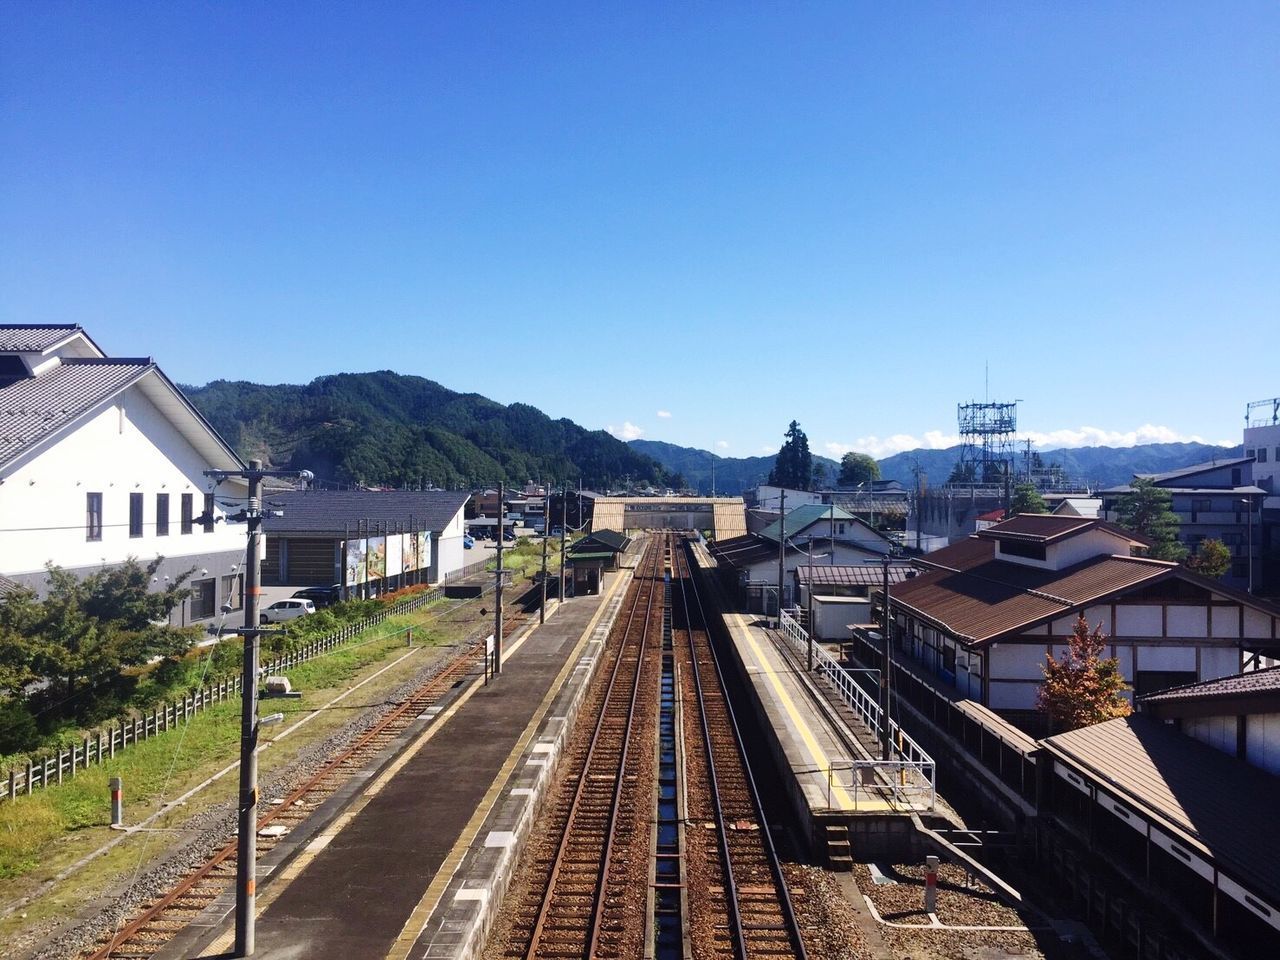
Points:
(1083, 687)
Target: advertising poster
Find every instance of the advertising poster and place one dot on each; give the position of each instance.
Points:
(395, 557)
(424, 549)
(354, 563)
(376, 558)
(409, 550)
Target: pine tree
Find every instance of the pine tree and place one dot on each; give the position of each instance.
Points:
(1027, 499)
(1145, 510)
(1082, 688)
(793, 467)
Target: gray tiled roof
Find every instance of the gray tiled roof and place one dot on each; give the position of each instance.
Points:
(334, 512)
(16, 337)
(1242, 684)
(37, 407)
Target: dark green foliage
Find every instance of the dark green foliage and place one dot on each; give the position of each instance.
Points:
(793, 467)
(18, 730)
(733, 475)
(856, 468)
(385, 428)
(1027, 499)
(1145, 511)
(1211, 559)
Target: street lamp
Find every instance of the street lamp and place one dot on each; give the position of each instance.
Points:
(1248, 505)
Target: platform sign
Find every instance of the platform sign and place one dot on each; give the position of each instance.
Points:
(354, 564)
(376, 558)
(394, 563)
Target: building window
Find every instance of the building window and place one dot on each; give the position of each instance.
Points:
(135, 514)
(1198, 506)
(93, 516)
(1020, 548)
(202, 599)
(1262, 454)
(187, 513)
(208, 513)
(1240, 569)
(1235, 476)
(162, 514)
(233, 591)
(1153, 681)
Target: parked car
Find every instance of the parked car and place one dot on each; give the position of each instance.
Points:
(283, 610)
(321, 596)
(508, 535)
(468, 541)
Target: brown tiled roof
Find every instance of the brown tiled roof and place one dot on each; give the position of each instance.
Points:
(1051, 527)
(1218, 803)
(978, 598)
(1254, 683)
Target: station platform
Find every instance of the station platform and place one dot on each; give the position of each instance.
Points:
(367, 873)
(827, 759)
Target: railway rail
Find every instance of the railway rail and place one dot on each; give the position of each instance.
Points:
(741, 879)
(162, 919)
(582, 903)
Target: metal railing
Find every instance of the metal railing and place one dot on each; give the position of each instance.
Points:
(909, 774)
(99, 746)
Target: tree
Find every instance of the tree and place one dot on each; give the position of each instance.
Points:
(1027, 499)
(1082, 688)
(1144, 510)
(856, 468)
(1211, 559)
(793, 466)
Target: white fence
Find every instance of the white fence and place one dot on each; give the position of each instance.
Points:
(908, 776)
(103, 744)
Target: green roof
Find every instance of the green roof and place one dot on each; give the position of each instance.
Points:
(575, 557)
(802, 517)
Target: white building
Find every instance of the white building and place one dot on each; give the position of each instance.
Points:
(102, 459)
(984, 612)
(1262, 442)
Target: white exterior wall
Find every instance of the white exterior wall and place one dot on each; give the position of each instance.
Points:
(448, 553)
(128, 447)
(1262, 741)
(832, 616)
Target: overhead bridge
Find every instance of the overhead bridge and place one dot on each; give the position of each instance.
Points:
(725, 517)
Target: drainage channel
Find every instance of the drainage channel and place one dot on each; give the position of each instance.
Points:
(668, 907)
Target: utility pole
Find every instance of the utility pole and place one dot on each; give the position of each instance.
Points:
(888, 664)
(247, 837)
(546, 533)
(497, 613)
(782, 549)
(564, 534)
(809, 612)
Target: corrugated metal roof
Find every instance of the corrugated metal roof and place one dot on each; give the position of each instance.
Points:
(848, 575)
(978, 598)
(797, 520)
(1222, 804)
(1194, 469)
(335, 512)
(38, 407)
(33, 338)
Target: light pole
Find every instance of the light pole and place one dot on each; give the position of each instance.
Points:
(1248, 505)
(247, 835)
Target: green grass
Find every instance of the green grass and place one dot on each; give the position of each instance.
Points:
(169, 764)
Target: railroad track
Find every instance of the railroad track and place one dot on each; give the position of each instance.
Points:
(739, 903)
(582, 899)
(163, 918)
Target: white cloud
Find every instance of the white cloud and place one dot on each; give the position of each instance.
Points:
(664, 414)
(1067, 437)
(722, 444)
(628, 431)
(768, 449)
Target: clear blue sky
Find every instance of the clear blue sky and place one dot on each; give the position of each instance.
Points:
(733, 214)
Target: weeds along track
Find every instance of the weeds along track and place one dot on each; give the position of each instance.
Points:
(165, 916)
(582, 872)
(739, 904)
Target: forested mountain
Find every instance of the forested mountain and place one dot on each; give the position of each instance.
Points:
(732, 474)
(388, 429)
(1096, 466)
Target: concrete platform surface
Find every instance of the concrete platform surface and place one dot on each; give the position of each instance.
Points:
(355, 889)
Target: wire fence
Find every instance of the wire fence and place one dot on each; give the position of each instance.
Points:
(103, 744)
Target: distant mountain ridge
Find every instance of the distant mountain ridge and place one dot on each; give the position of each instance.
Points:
(386, 428)
(1096, 466)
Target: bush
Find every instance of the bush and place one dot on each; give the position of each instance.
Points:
(18, 728)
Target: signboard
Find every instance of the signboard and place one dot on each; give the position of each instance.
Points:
(409, 551)
(354, 564)
(424, 549)
(394, 563)
(376, 558)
